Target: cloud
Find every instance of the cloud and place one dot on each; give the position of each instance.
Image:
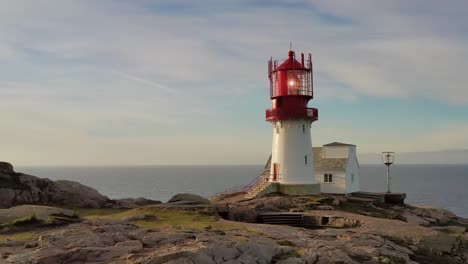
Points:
(144, 81)
(376, 50)
(87, 69)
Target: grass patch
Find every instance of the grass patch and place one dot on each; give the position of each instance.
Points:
(286, 243)
(294, 253)
(85, 212)
(162, 218)
(18, 237)
(391, 259)
(255, 233)
(457, 223)
(19, 222)
(312, 201)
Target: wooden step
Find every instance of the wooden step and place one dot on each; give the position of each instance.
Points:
(282, 219)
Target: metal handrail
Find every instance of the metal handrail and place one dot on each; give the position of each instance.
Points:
(243, 188)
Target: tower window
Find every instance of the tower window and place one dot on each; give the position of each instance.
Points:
(305, 159)
(328, 177)
(303, 128)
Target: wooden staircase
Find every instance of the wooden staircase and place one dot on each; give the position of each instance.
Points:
(254, 188)
(291, 219)
(257, 189)
(251, 190)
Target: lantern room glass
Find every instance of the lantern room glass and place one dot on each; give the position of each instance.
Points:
(291, 82)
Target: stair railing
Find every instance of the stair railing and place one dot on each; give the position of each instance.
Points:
(263, 177)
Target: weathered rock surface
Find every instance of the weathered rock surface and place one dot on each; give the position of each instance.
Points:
(41, 213)
(134, 202)
(18, 188)
(451, 229)
(76, 194)
(413, 218)
(248, 210)
(404, 239)
(101, 241)
(6, 167)
(188, 197)
(427, 216)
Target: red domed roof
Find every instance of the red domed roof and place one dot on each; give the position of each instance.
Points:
(290, 63)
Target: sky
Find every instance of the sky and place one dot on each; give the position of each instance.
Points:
(185, 82)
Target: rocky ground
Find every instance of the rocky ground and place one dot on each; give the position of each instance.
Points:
(188, 230)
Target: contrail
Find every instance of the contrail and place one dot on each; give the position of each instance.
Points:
(144, 81)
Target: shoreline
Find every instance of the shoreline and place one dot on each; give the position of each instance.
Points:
(201, 182)
(37, 227)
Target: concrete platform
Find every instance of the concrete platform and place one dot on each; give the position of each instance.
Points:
(395, 198)
(377, 197)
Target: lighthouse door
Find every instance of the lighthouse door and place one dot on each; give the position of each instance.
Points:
(275, 171)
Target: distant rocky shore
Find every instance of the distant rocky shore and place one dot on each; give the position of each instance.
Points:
(18, 188)
(46, 221)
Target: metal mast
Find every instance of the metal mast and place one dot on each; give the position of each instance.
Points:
(388, 158)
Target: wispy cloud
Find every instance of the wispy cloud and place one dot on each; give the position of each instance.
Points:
(166, 67)
(144, 81)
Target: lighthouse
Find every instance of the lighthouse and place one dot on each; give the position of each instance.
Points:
(291, 89)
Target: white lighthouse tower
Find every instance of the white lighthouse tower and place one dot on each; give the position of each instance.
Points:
(291, 88)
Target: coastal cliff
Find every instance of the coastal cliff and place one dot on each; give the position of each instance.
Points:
(191, 229)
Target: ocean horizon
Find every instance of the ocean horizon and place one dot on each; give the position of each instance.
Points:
(438, 185)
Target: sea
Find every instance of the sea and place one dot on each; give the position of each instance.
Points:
(434, 185)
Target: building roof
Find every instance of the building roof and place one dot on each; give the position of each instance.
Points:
(327, 164)
(338, 144)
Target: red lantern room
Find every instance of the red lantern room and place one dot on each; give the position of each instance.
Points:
(291, 88)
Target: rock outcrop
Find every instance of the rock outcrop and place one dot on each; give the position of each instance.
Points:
(18, 188)
(6, 167)
(37, 214)
(188, 198)
(182, 231)
(426, 216)
(133, 202)
(103, 241)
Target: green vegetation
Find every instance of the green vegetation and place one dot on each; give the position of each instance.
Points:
(457, 223)
(157, 218)
(391, 259)
(17, 237)
(364, 209)
(314, 200)
(295, 253)
(19, 222)
(85, 212)
(286, 243)
(150, 217)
